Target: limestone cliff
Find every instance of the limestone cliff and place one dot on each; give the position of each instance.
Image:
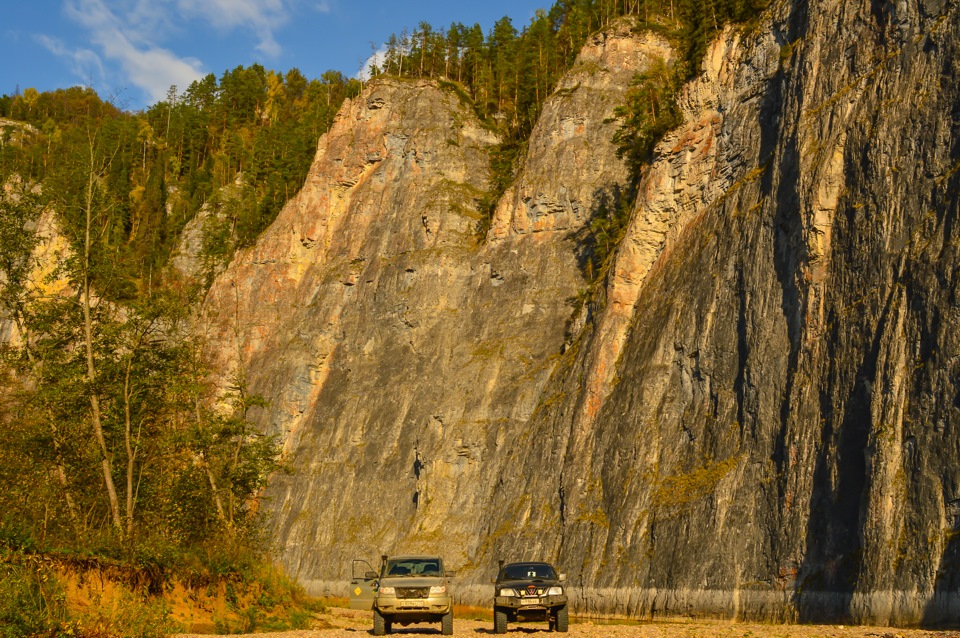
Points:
(759, 414)
(401, 353)
(762, 420)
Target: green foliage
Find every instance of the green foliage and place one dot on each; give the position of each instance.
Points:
(132, 616)
(600, 237)
(263, 598)
(650, 110)
(503, 164)
(32, 601)
(162, 165)
(186, 459)
(700, 21)
(19, 213)
(103, 386)
(508, 73)
(258, 596)
(258, 128)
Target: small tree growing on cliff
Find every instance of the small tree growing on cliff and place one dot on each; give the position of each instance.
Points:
(650, 110)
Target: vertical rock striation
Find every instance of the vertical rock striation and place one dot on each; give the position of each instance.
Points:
(758, 417)
(402, 354)
(763, 417)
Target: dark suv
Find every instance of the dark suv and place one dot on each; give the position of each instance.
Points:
(529, 592)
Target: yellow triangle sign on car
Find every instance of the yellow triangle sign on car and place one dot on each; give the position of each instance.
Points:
(357, 591)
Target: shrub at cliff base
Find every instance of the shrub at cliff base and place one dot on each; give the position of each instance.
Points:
(224, 590)
(32, 601)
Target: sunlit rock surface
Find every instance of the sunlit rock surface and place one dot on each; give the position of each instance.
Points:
(757, 413)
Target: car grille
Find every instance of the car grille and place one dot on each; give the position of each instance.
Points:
(413, 592)
(536, 591)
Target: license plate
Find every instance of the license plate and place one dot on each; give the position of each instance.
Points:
(530, 601)
(414, 603)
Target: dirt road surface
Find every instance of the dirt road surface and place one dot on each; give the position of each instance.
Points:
(346, 623)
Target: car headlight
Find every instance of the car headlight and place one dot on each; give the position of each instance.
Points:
(555, 591)
(507, 592)
(438, 589)
(389, 591)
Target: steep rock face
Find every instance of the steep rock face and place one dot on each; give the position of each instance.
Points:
(763, 418)
(400, 353)
(760, 415)
(571, 170)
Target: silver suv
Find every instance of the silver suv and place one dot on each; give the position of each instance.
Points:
(408, 589)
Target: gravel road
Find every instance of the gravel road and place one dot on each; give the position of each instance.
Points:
(346, 623)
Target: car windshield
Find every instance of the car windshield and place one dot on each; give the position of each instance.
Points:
(523, 571)
(413, 567)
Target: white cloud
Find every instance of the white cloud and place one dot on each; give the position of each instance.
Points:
(84, 63)
(128, 35)
(263, 17)
(377, 58)
(154, 70)
(124, 42)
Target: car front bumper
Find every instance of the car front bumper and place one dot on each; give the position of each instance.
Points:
(391, 605)
(529, 602)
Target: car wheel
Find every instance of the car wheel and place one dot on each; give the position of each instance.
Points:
(562, 619)
(379, 623)
(499, 621)
(446, 624)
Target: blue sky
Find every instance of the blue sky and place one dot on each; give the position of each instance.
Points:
(131, 51)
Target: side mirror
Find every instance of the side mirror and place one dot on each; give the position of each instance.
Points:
(563, 577)
(493, 581)
(370, 575)
(450, 573)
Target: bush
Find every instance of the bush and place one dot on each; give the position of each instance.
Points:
(16, 537)
(131, 616)
(32, 600)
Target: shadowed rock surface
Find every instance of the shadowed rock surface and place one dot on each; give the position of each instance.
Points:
(756, 417)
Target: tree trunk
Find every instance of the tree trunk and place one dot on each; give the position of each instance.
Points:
(88, 339)
(221, 514)
(216, 492)
(61, 474)
(132, 447)
(128, 442)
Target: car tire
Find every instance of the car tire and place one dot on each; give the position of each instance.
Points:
(499, 621)
(379, 623)
(562, 620)
(446, 624)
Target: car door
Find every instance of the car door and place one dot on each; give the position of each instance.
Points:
(363, 581)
